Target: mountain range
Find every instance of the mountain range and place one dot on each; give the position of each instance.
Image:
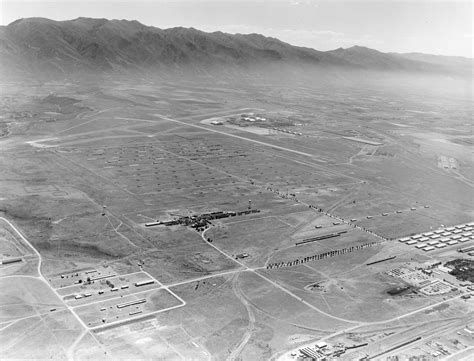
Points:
(35, 45)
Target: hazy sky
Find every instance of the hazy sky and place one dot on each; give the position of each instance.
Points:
(429, 26)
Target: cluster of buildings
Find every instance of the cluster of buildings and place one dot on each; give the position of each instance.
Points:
(412, 276)
(442, 238)
(113, 288)
(126, 306)
(83, 276)
(201, 221)
(437, 288)
(437, 349)
(251, 117)
(447, 163)
(427, 283)
(287, 131)
(322, 351)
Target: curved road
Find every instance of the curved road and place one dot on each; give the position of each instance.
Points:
(251, 326)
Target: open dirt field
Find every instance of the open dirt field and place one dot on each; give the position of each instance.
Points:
(92, 184)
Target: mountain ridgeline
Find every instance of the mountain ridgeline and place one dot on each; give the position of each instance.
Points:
(36, 45)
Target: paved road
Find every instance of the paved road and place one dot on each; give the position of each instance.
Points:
(236, 136)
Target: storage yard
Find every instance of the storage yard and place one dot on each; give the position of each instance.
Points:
(235, 222)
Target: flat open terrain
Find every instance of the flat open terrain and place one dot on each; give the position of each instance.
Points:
(89, 188)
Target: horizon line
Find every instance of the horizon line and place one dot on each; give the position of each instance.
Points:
(238, 33)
